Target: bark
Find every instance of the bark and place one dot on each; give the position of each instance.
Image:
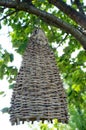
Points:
(49, 19)
(72, 13)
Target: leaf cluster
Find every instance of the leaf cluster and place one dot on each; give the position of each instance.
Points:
(5, 69)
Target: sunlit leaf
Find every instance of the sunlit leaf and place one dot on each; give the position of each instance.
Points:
(76, 87)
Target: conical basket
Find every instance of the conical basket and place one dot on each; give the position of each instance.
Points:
(38, 93)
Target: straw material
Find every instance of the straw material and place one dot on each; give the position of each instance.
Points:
(38, 93)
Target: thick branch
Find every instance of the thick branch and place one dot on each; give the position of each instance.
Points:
(50, 19)
(73, 14)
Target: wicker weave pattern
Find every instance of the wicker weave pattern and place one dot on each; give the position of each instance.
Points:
(38, 93)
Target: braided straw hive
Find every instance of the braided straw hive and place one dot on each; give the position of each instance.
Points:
(38, 93)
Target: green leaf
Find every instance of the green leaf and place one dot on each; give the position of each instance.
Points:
(2, 92)
(0, 26)
(76, 87)
(11, 57)
(11, 86)
(5, 110)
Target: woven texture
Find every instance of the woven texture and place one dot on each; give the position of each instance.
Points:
(38, 93)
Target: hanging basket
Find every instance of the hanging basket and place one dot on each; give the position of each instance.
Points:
(38, 93)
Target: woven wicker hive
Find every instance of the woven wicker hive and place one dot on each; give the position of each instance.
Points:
(38, 93)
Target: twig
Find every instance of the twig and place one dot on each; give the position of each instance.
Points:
(59, 44)
(7, 15)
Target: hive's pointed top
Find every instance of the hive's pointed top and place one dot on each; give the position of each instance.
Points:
(39, 35)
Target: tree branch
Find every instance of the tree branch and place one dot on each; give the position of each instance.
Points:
(7, 15)
(48, 18)
(73, 14)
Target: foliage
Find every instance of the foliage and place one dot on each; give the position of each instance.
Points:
(70, 57)
(55, 125)
(5, 69)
